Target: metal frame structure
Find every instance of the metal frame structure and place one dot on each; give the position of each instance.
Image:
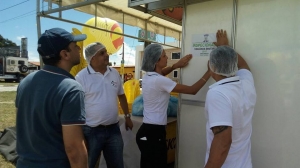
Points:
(199, 103)
(46, 14)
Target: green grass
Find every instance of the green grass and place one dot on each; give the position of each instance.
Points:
(7, 117)
(8, 84)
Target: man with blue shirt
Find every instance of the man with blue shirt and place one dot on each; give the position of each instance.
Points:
(50, 107)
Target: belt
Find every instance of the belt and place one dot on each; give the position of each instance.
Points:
(107, 126)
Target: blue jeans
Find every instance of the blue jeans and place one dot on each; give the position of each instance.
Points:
(109, 140)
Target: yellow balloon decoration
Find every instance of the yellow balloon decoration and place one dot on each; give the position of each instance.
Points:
(82, 63)
(113, 42)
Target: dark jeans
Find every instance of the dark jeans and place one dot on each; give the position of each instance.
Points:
(109, 140)
(151, 140)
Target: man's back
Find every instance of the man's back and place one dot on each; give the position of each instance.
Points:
(45, 101)
(231, 103)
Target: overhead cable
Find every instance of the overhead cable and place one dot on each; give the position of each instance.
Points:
(13, 6)
(21, 16)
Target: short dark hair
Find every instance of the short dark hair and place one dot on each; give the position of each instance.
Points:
(54, 60)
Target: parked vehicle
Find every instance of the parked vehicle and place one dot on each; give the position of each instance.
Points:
(13, 68)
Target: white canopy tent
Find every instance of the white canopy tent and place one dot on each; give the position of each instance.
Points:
(117, 10)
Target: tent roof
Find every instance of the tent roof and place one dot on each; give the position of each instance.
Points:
(116, 9)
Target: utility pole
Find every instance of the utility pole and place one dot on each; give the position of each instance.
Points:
(122, 65)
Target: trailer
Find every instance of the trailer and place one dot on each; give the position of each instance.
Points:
(13, 68)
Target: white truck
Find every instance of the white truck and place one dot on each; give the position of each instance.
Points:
(13, 68)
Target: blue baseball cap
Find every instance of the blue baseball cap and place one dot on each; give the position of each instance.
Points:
(54, 40)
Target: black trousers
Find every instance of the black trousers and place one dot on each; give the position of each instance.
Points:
(151, 140)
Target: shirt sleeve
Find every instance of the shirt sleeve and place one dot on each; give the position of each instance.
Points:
(219, 109)
(120, 89)
(245, 75)
(17, 97)
(165, 84)
(73, 109)
(79, 79)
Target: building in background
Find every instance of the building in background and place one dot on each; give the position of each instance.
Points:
(33, 66)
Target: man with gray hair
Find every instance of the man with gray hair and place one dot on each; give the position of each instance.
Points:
(229, 108)
(102, 86)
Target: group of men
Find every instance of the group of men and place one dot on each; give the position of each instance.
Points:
(64, 121)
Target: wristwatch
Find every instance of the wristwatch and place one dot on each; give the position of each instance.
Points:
(127, 115)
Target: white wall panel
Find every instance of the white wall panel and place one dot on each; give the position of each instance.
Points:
(206, 17)
(268, 36)
(192, 141)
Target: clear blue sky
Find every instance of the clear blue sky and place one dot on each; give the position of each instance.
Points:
(18, 19)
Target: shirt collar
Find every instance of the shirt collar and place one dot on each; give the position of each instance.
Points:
(226, 80)
(90, 69)
(152, 73)
(57, 70)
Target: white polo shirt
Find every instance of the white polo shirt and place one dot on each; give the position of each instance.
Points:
(156, 95)
(101, 95)
(230, 102)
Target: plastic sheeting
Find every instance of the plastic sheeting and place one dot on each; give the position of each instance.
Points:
(8, 144)
(138, 106)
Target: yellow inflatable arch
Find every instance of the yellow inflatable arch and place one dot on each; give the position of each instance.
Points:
(113, 42)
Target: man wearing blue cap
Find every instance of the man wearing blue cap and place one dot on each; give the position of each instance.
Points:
(50, 107)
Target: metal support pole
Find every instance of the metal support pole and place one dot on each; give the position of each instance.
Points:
(93, 27)
(164, 35)
(146, 42)
(96, 18)
(234, 20)
(60, 12)
(180, 81)
(122, 65)
(123, 26)
(49, 4)
(38, 23)
(122, 61)
(89, 2)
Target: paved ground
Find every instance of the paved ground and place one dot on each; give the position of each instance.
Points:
(8, 88)
(14, 88)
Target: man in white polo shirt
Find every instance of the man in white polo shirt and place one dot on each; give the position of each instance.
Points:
(229, 108)
(102, 86)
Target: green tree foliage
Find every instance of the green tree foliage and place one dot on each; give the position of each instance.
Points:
(6, 43)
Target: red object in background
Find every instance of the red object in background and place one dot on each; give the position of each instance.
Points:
(175, 13)
(127, 76)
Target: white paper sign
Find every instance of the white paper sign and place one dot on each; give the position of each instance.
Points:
(202, 44)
